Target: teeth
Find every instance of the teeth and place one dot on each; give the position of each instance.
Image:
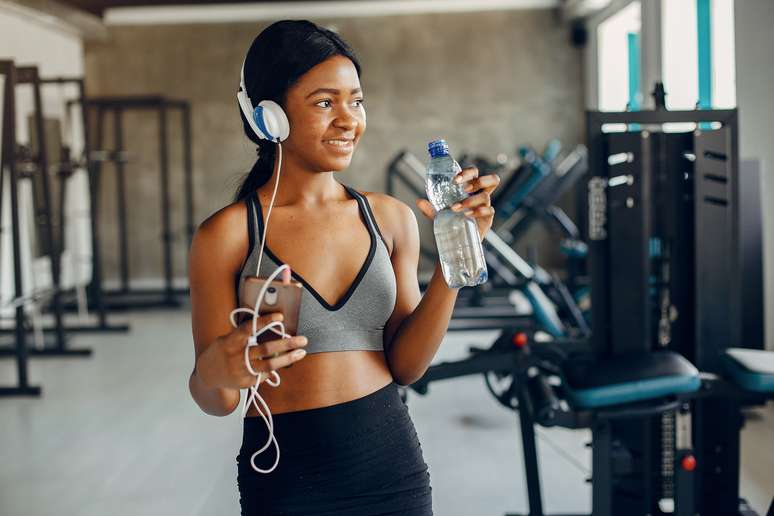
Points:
(339, 143)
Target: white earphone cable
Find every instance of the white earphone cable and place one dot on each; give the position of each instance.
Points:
(273, 379)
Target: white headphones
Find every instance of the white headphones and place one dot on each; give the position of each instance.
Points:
(268, 120)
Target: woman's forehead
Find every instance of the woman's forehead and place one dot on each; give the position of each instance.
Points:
(336, 72)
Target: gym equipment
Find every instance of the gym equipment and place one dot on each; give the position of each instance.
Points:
(127, 297)
(663, 228)
(538, 203)
(553, 307)
(8, 166)
(79, 254)
(663, 215)
(529, 195)
(37, 269)
(75, 165)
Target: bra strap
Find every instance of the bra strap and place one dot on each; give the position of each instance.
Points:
(365, 207)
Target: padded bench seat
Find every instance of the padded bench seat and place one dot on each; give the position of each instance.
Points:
(628, 378)
(752, 369)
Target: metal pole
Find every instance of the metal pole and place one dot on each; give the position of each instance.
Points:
(51, 246)
(166, 235)
(188, 170)
(9, 162)
(123, 232)
(94, 170)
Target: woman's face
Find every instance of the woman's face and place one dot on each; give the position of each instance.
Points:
(326, 115)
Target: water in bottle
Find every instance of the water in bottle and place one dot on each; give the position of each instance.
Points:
(456, 235)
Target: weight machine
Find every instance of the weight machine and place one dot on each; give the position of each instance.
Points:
(127, 297)
(663, 378)
(24, 165)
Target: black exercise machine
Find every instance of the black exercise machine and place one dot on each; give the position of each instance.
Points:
(536, 201)
(23, 164)
(553, 306)
(65, 167)
(8, 165)
(127, 297)
(663, 228)
(67, 164)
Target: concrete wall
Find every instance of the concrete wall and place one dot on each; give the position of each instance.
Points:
(485, 81)
(754, 84)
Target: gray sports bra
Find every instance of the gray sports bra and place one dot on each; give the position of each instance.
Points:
(356, 321)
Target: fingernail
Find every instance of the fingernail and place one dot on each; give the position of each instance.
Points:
(301, 341)
(456, 206)
(299, 353)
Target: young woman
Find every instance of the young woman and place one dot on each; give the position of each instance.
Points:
(348, 445)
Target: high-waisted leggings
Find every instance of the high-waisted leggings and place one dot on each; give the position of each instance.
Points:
(359, 458)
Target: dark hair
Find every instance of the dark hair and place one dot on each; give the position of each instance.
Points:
(277, 58)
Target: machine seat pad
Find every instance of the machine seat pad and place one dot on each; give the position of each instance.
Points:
(628, 378)
(752, 369)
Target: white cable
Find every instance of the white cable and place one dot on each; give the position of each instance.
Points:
(253, 397)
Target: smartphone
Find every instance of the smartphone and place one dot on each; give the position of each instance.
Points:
(279, 297)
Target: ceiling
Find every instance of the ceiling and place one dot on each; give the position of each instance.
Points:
(98, 6)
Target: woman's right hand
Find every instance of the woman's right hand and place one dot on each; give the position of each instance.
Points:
(222, 363)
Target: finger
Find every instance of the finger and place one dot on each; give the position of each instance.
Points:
(479, 199)
(466, 174)
(487, 183)
(283, 360)
(482, 212)
(274, 347)
(426, 208)
(262, 321)
(236, 341)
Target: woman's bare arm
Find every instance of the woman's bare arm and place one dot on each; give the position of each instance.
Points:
(418, 323)
(217, 252)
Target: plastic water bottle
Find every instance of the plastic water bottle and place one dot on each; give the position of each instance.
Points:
(456, 235)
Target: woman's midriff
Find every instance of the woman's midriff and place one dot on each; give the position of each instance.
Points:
(325, 379)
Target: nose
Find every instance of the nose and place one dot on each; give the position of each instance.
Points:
(346, 118)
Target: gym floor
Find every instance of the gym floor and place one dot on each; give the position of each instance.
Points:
(119, 434)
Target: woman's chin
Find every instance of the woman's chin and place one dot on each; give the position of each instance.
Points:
(336, 165)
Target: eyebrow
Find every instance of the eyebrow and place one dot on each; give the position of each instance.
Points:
(332, 91)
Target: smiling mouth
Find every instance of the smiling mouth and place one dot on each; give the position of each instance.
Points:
(340, 144)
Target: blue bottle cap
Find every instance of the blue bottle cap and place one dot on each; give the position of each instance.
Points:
(438, 148)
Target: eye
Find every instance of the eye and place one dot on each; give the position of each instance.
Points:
(359, 102)
(327, 101)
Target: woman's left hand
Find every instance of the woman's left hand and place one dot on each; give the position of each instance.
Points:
(479, 203)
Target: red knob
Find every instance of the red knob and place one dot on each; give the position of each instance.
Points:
(520, 340)
(689, 463)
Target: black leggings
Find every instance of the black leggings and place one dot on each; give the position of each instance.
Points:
(359, 458)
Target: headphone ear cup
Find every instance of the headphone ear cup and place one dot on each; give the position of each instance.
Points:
(247, 109)
(271, 117)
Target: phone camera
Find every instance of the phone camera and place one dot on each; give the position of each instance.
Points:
(271, 296)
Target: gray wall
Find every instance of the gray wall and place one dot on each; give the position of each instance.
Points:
(754, 84)
(485, 81)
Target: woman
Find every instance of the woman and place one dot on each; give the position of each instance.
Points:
(348, 445)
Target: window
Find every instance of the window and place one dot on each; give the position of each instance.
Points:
(618, 60)
(690, 44)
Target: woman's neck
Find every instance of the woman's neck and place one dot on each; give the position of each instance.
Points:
(300, 186)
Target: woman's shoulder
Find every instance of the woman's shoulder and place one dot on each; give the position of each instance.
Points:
(381, 202)
(393, 216)
(223, 235)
